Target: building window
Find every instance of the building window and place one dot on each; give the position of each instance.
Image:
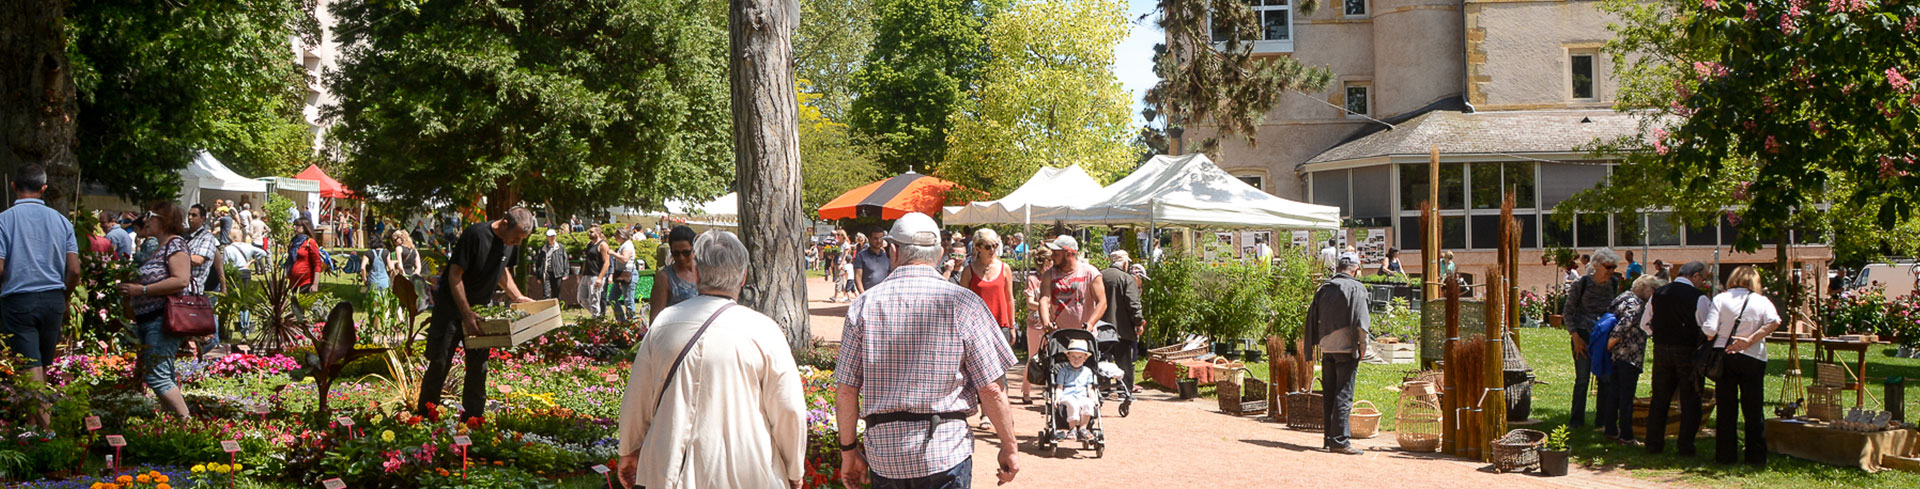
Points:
(1356, 8)
(1582, 75)
(1413, 186)
(1357, 103)
(1275, 18)
(1257, 181)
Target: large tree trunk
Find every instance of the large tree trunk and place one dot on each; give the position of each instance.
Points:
(766, 153)
(38, 108)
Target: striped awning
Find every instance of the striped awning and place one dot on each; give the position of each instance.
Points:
(890, 198)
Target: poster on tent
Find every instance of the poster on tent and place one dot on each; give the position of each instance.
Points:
(1221, 249)
(1300, 238)
(1373, 248)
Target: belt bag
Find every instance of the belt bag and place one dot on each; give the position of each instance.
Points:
(188, 315)
(933, 419)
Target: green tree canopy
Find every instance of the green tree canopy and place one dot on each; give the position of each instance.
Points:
(1048, 98)
(926, 55)
(577, 103)
(830, 161)
(829, 44)
(1777, 114)
(1221, 85)
(159, 80)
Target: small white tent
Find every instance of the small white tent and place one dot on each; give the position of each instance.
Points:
(720, 212)
(1050, 192)
(1189, 190)
(207, 175)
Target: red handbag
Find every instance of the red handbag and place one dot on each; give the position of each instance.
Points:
(188, 315)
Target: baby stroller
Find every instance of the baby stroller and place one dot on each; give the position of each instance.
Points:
(1054, 360)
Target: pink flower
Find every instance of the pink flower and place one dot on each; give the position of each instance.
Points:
(1772, 145)
(1898, 81)
(1733, 218)
(1752, 14)
(1712, 4)
(1817, 128)
(1786, 24)
(1913, 23)
(1740, 190)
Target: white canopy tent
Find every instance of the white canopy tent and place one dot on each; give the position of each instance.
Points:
(1189, 190)
(1050, 192)
(720, 212)
(206, 175)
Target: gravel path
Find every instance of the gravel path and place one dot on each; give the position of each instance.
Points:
(1166, 442)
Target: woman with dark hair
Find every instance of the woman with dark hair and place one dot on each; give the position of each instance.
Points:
(1391, 266)
(168, 272)
(676, 281)
(303, 257)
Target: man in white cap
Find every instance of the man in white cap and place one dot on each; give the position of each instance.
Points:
(918, 355)
(1337, 323)
(1078, 299)
(551, 268)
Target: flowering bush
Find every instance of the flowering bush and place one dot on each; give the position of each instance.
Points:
(1859, 311)
(95, 370)
(1532, 305)
(151, 478)
(602, 339)
(823, 434)
(238, 364)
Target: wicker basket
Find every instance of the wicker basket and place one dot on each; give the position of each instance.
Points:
(1173, 353)
(1418, 425)
(1823, 402)
(1518, 450)
(1363, 422)
(1240, 394)
(1830, 374)
(1306, 411)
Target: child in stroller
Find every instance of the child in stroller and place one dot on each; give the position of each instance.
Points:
(1072, 396)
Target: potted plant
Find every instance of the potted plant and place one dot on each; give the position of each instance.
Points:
(1554, 453)
(1189, 387)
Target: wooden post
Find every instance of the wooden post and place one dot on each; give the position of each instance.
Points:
(1493, 404)
(1430, 247)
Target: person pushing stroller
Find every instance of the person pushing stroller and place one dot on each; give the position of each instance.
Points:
(1075, 384)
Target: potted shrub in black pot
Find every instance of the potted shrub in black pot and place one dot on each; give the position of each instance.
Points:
(1189, 387)
(1554, 454)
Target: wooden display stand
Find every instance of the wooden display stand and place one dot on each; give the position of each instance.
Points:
(542, 316)
(1167, 373)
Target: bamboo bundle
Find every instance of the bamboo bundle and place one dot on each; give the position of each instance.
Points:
(1493, 401)
(1469, 354)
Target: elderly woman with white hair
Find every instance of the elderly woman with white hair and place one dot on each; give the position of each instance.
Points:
(713, 410)
(1627, 346)
(1588, 299)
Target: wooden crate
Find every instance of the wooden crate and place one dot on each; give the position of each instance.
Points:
(542, 316)
(1397, 353)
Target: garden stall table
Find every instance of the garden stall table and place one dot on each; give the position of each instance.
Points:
(1821, 442)
(1167, 373)
(1859, 349)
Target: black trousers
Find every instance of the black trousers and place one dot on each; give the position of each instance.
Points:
(550, 287)
(1337, 372)
(1739, 395)
(444, 338)
(1626, 377)
(1123, 356)
(1673, 375)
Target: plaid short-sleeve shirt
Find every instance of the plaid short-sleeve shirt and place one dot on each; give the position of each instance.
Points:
(918, 343)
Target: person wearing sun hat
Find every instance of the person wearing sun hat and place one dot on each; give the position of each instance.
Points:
(1077, 298)
(1075, 383)
(552, 266)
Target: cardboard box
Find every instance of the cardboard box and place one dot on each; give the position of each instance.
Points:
(542, 316)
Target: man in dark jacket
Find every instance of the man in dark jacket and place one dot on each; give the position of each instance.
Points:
(1337, 323)
(1123, 312)
(551, 268)
(1674, 314)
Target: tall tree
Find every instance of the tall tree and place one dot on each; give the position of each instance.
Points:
(831, 162)
(1222, 85)
(767, 153)
(927, 54)
(829, 44)
(1774, 115)
(580, 103)
(1048, 98)
(37, 98)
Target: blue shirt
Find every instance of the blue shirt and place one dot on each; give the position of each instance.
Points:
(122, 241)
(873, 267)
(1633, 270)
(35, 241)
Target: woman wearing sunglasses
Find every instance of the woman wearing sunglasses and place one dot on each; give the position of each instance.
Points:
(1588, 299)
(675, 283)
(166, 273)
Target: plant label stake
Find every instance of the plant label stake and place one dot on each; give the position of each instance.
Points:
(116, 441)
(462, 441)
(604, 471)
(233, 456)
(262, 410)
(346, 422)
(333, 483)
(93, 423)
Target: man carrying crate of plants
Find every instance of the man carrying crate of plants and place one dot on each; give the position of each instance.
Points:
(477, 264)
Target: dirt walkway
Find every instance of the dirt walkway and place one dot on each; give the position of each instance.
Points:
(1171, 443)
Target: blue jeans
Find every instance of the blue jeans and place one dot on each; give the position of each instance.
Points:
(160, 349)
(1582, 374)
(30, 324)
(1626, 380)
(621, 298)
(958, 477)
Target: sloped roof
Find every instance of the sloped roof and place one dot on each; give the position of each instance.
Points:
(1529, 131)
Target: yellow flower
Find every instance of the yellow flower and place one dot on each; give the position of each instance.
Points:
(221, 468)
(237, 468)
(376, 419)
(199, 469)
(386, 436)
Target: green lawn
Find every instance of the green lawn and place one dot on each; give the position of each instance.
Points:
(1546, 351)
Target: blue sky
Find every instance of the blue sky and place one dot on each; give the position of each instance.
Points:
(1133, 57)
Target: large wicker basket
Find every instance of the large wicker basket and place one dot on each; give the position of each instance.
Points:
(1518, 450)
(1240, 394)
(1823, 402)
(1363, 422)
(1417, 424)
(1306, 411)
(1172, 353)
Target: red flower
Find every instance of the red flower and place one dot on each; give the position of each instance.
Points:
(473, 423)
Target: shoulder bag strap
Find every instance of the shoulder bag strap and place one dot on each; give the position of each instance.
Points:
(1726, 336)
(683, 353)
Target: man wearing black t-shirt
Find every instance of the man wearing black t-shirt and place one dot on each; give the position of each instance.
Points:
(476, 266)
